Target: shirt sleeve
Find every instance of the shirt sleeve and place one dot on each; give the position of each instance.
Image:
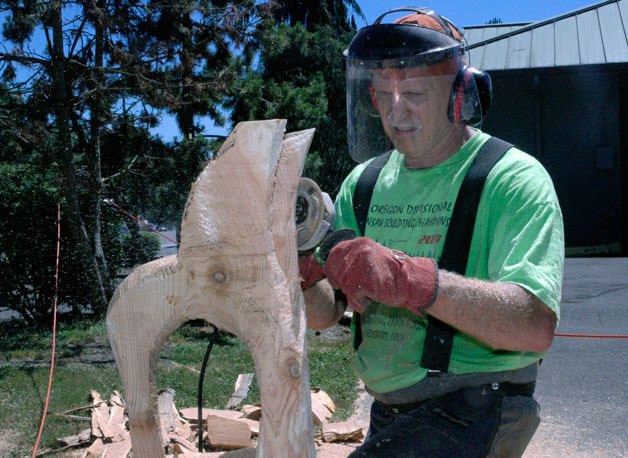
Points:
(527, 240)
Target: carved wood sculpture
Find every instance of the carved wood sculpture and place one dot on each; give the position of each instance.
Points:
(236, 268)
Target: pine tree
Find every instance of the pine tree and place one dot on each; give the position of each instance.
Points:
(89, 75)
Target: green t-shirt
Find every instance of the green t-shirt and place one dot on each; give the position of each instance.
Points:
(518, 238)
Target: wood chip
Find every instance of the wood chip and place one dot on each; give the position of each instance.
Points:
(180, 445)
(167, 411)
(324, 399)
(252, 424)
(242, 453)
(116, 399)
(251, 412)
(228, 434)
(100, 418)
(191, 413)
(320, 413)
(115, 449)
(82, 438)
(342, 431)
(242, 385)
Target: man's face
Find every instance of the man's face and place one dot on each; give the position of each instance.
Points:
(413, 109)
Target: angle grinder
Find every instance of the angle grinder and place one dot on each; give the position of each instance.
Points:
(315, 215)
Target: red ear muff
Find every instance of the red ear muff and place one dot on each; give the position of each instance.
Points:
(465, 76)
(373, 97)
(471, 97)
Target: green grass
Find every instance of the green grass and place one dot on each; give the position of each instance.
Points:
(23, 387)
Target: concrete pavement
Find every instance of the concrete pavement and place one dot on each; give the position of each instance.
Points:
(583, 382)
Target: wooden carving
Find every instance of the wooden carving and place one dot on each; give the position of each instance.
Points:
(237, 269)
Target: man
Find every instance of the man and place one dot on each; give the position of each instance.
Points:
(408, 85)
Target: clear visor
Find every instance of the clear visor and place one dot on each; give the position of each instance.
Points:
(409, 109)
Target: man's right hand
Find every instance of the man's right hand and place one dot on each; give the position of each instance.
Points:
(311, 271)
(311, 266)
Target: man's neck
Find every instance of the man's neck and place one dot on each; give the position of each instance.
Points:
(447, 147)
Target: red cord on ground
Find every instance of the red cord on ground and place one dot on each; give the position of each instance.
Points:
(54, 333)
(592, 336)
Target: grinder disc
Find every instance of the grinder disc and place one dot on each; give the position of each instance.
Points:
(313, 216)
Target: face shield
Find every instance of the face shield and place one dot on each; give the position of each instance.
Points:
(407, 88)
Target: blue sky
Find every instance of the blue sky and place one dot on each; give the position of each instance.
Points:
(461, 13)
(466, 13)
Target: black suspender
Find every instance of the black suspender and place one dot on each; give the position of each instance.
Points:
(439, 338)
(364, 190)
(362, 195)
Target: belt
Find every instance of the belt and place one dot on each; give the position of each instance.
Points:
(506, 388)
(517, 389)
(432, 387)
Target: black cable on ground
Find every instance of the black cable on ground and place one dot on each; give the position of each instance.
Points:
(201, 379)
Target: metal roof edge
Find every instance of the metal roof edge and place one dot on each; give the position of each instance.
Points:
(501, 24)
(614, 67)
(535, 25)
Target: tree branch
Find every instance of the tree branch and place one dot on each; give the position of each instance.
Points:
(123, 171)
(24, 59)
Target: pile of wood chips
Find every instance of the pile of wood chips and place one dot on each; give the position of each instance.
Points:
(232, 431)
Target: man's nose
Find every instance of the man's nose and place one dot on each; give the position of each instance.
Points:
(398, 106)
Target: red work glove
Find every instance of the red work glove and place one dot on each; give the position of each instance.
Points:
(310, 270)
(367, 271)
(311, 266)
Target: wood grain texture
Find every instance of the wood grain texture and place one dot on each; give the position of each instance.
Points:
(236, 268)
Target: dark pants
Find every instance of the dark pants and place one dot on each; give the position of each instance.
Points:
(472, 422)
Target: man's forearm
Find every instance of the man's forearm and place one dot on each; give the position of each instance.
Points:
(504, 316)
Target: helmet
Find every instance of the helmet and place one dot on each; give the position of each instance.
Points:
(422, 38)
(387, 61)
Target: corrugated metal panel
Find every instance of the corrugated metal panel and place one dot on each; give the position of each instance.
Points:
(519, 50)
(475, 34)
(543, 47)
(495, 55)
(613, 31)
(590, 38)
(596, 34)
(476, 56)
(567, 46)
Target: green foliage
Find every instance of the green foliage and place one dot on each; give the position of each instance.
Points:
(111, 221)
(25, 17)
(157, 175)
(89, 127)
(301, 78)
(495, 20)
(171, 186)
(28, 236)
(139, 248)
(313, 13)
(88, 130)
(28, 240)
(22, 391)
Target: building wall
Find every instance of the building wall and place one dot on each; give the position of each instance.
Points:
(570, 120)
